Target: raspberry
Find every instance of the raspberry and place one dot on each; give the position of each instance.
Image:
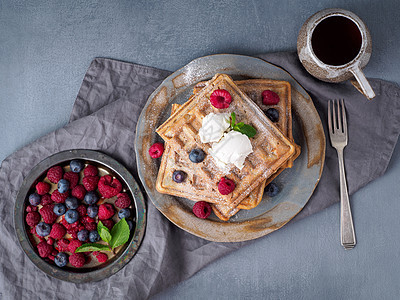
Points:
(108, 223)
(220, 99)
(90, 182)
(102, 257)
(106, 211)
(46, 199)
(44, 249)
(156, 150)
(73, 245)
(47, 214)
(90, 226)
(50, 241)
(123, 200)
(269, 97)
(54, 174)
(73, 179)
(226, 186)
(62, 245)
(202, 209)
(87, 219)
(31, 208)
(56, 196)
(77, 260)
(32, 218)
(42, 188)
(82, 210)
(57, 231)
(79, 192)
(95, 253)
(90, 170)
(109, 187)
(65, 223)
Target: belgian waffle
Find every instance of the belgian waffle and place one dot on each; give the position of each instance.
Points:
(254, 88)
(271, 149)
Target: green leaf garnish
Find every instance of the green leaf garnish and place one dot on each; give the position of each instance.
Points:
(104, 232)
(120, 233)
(233, 119)
(246, 129)
(118, 236)
(92, 247)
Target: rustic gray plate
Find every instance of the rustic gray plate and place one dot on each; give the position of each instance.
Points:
(124, 254)
(297, 184)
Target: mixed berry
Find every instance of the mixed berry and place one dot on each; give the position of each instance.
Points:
(220, 99)
(202, 209)
(272, 114)
(156, 150)
(63, 211)
(197, 156)
(269, 97)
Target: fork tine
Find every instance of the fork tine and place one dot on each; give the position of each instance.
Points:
(334, 116)
(344, 117)
(339, 116)
(330, 116)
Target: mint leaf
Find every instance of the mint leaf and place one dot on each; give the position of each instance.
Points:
(92, 247)
(120, 233)
(104, 232)
(248, 130)
(233, 119)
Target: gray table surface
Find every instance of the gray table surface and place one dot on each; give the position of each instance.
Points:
(45, 49)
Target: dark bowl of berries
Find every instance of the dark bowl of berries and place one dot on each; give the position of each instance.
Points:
(80, 216)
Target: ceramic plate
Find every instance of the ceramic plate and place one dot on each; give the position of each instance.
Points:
(297, 184)
(92, 271)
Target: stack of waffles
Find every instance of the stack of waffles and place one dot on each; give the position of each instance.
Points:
(273, 146)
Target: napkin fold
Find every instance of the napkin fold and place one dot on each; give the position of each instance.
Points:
(104, 118)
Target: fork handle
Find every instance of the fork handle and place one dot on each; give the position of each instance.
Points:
(347, 234)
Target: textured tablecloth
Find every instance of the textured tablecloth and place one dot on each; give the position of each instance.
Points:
(104, 118)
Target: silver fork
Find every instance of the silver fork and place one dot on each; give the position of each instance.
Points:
(338, 134)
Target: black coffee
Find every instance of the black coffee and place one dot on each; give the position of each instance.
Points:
(336, 40)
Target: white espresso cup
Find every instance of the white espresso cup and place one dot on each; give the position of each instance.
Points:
(334, 45)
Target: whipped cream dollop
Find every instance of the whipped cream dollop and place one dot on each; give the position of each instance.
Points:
(213, 127)
(233, 148)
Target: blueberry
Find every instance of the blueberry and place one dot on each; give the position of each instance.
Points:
(179, 176)
(59, 209)
(130, 224)
(71, 216)
(63, 186)
(124, 213)
(43, 229)
(91, 198)
(61, 259)
(92, 211)
(71, 203)
(272, 189)
(76, 165)
(272, 114)
(94, 236)
(83, 235)
(197, 155)
(35, 199)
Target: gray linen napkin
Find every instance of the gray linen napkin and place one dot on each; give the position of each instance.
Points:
(104, 118)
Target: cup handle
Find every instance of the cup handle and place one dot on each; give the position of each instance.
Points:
(363, 82)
